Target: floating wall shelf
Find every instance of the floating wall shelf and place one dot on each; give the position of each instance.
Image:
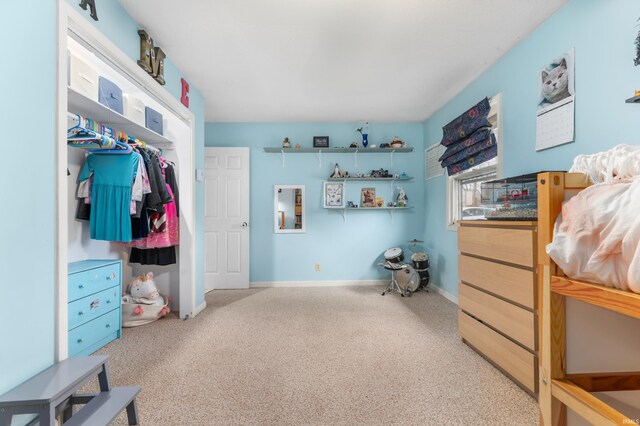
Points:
(354, 151)
(634, 100)
(344, 210)
(82, 105)
(391, 180)
(337, 150)
(370, 179)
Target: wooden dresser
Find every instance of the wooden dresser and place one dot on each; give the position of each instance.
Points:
(95, 299)
(498, 295)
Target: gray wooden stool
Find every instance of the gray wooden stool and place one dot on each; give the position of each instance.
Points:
(53, 391)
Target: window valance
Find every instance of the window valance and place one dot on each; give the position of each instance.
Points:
(468, 139)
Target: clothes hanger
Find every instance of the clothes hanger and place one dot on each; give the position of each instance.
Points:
(95, 137)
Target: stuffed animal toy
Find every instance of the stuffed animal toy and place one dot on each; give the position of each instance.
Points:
(143, 290)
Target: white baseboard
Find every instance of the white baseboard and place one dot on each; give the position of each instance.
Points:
(199, 309)
(443, 293)
(343, 283)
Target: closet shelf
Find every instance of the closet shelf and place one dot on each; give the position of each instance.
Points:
(80, 104)
(623, 302)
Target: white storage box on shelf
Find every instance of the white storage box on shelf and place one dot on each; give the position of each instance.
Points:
(153, 120)
(134, 109)
(83, 78)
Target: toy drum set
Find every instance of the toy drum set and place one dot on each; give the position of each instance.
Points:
(406, 278)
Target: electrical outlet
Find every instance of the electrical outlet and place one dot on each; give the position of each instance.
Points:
(317, 267)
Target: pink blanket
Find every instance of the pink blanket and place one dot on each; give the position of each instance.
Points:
(597, 236)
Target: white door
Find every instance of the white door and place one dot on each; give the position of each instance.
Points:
(226, 218)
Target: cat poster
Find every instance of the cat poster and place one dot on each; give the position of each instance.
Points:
(556, 102)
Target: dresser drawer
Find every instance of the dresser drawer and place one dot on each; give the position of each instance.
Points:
(515, 284)
(93, 331)
(507, 245)
(519, 363)
(92, 281)
(511, 320)
(90, 307)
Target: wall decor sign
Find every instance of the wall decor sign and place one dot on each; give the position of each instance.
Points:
(321, 141)
(151, 57)
(92, 6)
(185, 92)
(368, 197)
(333, 195)
(556, 102)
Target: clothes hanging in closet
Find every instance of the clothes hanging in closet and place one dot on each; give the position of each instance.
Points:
(158, 256)
(132, 198)
(159, 238)
(167, 237)
(113, 177)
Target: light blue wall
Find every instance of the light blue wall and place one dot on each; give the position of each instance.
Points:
(27, 262)
(115, 23)
(346, 251)
(27, 251)
(602, 33)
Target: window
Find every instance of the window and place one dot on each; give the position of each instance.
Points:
(464, 189)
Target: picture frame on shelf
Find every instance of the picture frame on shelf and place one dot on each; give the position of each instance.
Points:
(333, 196)
(321, 141)
(368, 197)
(379, 202)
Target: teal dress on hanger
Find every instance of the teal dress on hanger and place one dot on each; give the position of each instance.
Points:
(113, 177)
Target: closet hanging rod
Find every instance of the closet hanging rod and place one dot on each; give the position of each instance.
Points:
(73, 120)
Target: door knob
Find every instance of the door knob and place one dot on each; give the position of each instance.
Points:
(245, 225)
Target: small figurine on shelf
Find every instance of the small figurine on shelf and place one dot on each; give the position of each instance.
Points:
(286, 143)
(397, 143)
(354, 144)
(336, 172)
(346, 174)
(402, 198)
(298, 146)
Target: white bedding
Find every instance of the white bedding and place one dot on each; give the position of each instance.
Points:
(597, 236)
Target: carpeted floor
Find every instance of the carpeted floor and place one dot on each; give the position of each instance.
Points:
(321, 356)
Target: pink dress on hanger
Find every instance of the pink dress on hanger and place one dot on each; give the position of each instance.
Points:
(171, 235)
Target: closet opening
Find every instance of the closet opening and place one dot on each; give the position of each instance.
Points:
(102, 88)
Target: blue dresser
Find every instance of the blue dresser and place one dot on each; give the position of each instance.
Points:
(95, 301)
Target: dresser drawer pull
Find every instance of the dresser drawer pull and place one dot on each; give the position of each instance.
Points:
(108, 301)
(108, 326)
(81, 286)
(112, 276)
(80, 313)
(80, 340)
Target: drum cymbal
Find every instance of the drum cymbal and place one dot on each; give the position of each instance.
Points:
(416, 241)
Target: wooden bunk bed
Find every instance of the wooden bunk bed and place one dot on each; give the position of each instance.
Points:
(558, 389)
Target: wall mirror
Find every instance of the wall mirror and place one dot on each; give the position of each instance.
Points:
(289, 209)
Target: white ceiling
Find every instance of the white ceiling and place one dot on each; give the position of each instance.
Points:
(334, 60)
